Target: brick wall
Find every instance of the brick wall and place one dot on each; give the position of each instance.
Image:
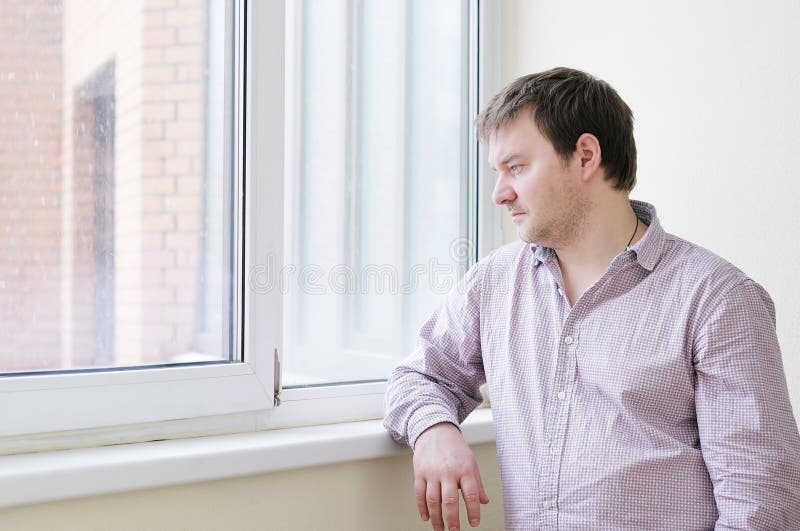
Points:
(53, 310)
(30, 183)
(172, 178)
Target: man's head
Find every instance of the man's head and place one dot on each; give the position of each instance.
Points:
(564, 104)
(562, 144)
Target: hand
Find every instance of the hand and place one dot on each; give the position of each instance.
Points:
(443, 463)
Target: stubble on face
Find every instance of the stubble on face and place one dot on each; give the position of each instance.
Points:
(562, 222)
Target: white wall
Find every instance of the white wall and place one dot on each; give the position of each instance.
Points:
(715, 90)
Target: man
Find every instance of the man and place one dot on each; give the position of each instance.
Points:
(636, 378)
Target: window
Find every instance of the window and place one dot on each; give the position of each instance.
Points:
(180, 229)
(377, 220)
(116, 191)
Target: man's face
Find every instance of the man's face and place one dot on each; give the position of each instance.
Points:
(540, 189)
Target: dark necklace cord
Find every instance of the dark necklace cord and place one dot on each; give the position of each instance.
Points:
(634, 234)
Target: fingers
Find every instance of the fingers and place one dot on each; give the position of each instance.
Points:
(472, 499)
(443, 464)
(433, 499)
(483, 497)
(450, 504)
(438, 502)
(422, 503)
(441, 502)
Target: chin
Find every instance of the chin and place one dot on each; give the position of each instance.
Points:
(530, 236)
(527, 238)
(527, 229)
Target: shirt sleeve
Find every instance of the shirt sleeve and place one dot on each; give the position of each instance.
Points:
(440, 381)
(748, 434)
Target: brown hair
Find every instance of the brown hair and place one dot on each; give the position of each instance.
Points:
(565, 103)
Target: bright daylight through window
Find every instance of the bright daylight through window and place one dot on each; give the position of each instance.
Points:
(376, 181)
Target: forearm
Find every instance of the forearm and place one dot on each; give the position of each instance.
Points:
(440, 381)
(416, 401)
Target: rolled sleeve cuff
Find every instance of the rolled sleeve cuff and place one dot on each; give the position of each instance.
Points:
(424, 418)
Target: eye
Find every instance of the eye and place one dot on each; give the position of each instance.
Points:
(515, 168)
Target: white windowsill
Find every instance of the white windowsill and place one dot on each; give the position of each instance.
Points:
(49, 476)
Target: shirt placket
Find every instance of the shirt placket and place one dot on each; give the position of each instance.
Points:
(561, 393)
(556, 426)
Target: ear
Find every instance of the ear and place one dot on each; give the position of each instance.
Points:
(587, 149)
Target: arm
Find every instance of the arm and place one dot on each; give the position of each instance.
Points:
(748, 434)
(431, 393)
(440, 381)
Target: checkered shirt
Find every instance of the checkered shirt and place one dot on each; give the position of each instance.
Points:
(657, 401)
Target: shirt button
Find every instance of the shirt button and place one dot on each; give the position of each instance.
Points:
(568, 340)
(562, 395)
(548, 505)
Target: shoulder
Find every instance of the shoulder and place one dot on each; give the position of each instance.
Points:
(493, 268)
(698, 266)
(707, 280)
(507, 256)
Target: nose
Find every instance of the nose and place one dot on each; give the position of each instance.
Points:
(503, 191)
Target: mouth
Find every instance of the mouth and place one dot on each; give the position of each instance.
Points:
(515, 215)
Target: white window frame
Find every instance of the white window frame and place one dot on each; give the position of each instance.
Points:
(68, 410)
(336, 403)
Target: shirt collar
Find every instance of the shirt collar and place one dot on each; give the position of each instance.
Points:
(647, 251)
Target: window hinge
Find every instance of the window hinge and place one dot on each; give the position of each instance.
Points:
(277, 389)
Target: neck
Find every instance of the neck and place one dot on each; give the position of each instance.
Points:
(605, 233)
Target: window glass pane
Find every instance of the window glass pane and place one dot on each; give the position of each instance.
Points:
(376, 180)
(115, 203)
